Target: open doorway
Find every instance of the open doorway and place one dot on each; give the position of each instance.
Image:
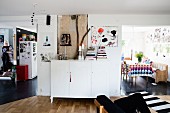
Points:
(154, 44)
(22, 87)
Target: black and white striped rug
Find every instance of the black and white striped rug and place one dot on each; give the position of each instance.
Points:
(155, 103)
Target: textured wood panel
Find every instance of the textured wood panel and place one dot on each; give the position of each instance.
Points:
(68, 26)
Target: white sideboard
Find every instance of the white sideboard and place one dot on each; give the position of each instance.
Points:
(79, 79)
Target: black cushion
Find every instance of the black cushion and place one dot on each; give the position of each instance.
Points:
(108, 104)
(132, 103)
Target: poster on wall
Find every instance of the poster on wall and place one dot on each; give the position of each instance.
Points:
(104, 36)
(46, 41)
(1, 39)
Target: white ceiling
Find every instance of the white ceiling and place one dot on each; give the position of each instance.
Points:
(27, 7)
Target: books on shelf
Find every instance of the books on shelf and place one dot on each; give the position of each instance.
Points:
(101, 53)
(93, 54)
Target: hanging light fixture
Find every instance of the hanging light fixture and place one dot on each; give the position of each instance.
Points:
(33, 14)
(32, 18)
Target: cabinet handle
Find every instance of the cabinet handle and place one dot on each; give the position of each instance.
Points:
(70, 76)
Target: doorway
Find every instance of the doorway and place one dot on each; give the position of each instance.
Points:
(21, 88)
(154, 43)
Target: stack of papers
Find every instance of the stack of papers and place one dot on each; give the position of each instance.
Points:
(101, 54)
(91, 55)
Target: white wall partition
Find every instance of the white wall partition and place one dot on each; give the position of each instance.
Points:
(115, 53)
(44, 67)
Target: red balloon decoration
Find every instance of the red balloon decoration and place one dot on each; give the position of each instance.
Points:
(100, 30)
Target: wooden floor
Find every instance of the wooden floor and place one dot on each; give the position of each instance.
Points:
(41, 104)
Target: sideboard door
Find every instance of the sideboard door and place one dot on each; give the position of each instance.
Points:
(100, 80)
(60, 78)
(80, 84)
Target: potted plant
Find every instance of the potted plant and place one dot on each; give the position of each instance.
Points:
(139, 56)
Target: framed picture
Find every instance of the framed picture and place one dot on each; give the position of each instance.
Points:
(1, 39)
(47, 41)
(65, 40)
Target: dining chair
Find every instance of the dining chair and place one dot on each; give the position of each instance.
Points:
(124, 70)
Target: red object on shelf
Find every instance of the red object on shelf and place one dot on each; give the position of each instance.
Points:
(22, 72)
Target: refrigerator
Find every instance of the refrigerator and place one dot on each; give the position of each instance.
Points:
(28, 56)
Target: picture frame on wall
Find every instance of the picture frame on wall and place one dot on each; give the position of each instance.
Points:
(47, 41)
(65, 40)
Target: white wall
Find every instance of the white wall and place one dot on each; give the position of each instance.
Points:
(11, 37)
(119, 20)
(44, 67)
(22, 21)
(134, 41)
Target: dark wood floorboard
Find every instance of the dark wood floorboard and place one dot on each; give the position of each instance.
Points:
(161, 88)
(11, 91)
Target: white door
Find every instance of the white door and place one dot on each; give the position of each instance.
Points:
(59, 78)
(100, 82)
(80, 82)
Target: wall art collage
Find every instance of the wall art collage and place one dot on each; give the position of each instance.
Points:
(159, 39)
(104, 36)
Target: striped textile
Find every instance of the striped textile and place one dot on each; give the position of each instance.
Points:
(155, 103)
(140, 70)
